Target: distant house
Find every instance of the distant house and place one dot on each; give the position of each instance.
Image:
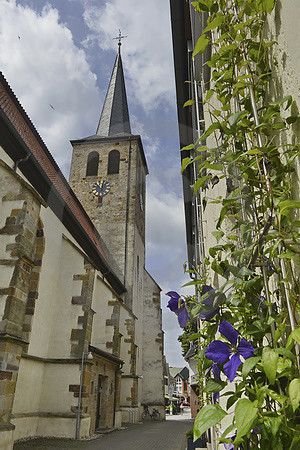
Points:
(182, 386)
(193, 376)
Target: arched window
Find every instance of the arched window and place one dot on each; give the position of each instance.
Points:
(113, 162)
(92, 164)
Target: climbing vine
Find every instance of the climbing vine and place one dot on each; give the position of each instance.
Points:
(248, 338)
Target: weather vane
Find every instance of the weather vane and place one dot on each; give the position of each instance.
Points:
(120, 37)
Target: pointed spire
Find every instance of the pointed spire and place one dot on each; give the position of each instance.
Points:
(114, 120)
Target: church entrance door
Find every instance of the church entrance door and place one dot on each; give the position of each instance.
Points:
(98, 409)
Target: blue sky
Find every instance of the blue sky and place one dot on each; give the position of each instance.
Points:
(61, 53)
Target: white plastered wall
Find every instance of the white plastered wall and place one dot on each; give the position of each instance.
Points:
(54, 315)
(101, 333)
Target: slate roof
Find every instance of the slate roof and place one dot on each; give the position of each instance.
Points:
(114, 123)
(20, 139)
(183, 372)
(114, 120)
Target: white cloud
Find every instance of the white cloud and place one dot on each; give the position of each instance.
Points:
(151, 144)
(165, 217)
(147, 49)
(44, 67)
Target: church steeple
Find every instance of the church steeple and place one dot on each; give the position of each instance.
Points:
(114, 120)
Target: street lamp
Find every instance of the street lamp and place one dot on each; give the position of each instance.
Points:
(89, 356)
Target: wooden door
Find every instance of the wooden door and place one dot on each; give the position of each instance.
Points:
(98, 409)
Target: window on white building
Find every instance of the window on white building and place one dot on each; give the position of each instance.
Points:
(179, 385)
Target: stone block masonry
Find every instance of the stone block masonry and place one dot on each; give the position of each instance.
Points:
(19, 255)
(122, 209)
(81, 336)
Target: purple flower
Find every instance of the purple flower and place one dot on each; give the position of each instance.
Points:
(219, 352)
(177, 305)
(229, 445)
(208, 302)
(217, 376)
(263, 306)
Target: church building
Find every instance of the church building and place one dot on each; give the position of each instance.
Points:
(81, 338)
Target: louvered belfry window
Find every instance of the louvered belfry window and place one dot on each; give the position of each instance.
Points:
(92, 164)
(113, 162)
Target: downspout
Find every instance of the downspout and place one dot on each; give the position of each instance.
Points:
(115, 399)
(115, 393)
(16, 164)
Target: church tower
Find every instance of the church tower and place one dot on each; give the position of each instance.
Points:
(108, 175)
(108, 172)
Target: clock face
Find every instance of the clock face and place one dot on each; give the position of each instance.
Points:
(101, 188)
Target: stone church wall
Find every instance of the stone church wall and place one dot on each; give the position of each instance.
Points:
(153, 379)
(110, 217)
(53, 316)
(55, 307)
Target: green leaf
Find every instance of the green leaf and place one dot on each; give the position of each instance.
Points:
(245, 414)
(288, 100)
(214, 386)
(205, 5)
(283, 366)
(213, 127)
(277, 397)
(221, 217)
(244, 272)
(201, 45)
(273, 424)
(295, 334)
(189, 103)
(289, 254)
(250, 283)
(278, 125)
(200, 183)
(207, 165)
(233, 120)
(269, 362)
(288, 204)
(249, 364)
(209, 94)
(266, 6)
(294, 393)
(215, 23)
(232, 399)
(227, 431)
(261, 395)
(217, 268)
(206, 418)
(202, 148)
(285, 352)
(218, 235)
(188, 147)
(185, 163)
(295, 445)
(292, 119)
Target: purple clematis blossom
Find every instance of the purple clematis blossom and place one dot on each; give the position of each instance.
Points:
(263, 306)
(177, 305)
(220, 352)
(217, 376)
(229, 445)
(208, 301)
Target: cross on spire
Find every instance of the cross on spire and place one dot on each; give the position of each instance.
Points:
(120, 37)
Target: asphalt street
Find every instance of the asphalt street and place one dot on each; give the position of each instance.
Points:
(148, 435)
